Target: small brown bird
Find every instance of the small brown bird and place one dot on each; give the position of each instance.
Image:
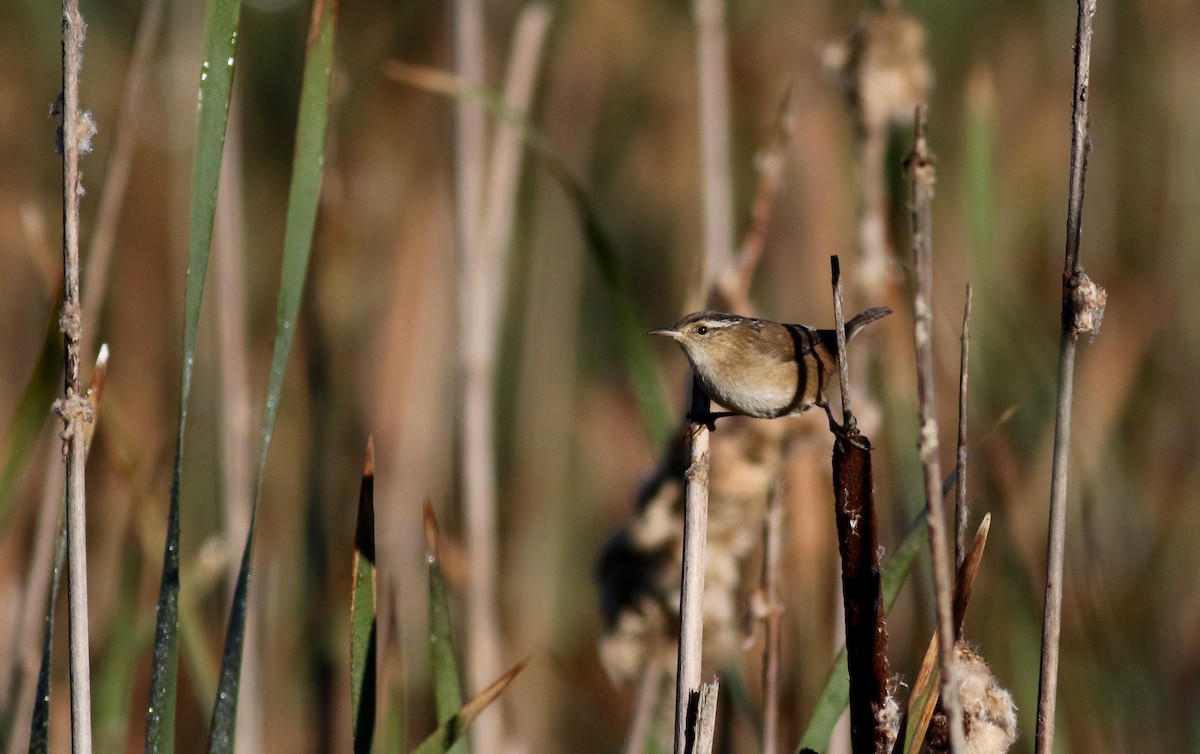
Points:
(761, 368)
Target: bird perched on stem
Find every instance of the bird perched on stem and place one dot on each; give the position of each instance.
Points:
(760, 368)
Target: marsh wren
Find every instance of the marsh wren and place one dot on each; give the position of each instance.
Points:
(761, 368)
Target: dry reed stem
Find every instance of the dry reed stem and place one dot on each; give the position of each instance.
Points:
(112, 195)
(32, 606)
(839, 324)
(645, 707)
(773, 618)
(961, 512)
(706, 717)
(486, 206)
(1080, 313)
(920, 167)
(691, 597)
(734, 282)
(504, 170)
(477, 415)
(74, 408)
(712, 67)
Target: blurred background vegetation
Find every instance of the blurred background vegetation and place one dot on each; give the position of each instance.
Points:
(376, 348)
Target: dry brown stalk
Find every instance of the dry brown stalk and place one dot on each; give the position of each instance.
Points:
(873, 726)
(691, 598)
(1082, 312)
(734, 282)
(961, 512)
(921, 172)
(74, 408)
(773, 608)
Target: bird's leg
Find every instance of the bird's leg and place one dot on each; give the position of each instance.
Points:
(709, 418)
(847, 432)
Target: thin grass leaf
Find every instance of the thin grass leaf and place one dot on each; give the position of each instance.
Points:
(453, 730)
(446, 689)
(216, 82)
(303, 198)
(362, 612)
(30, 415)
(39, 728)
(658, 420)
(114, 685)
(836, 693)
(925, 692)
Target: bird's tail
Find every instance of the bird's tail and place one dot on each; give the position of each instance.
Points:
(860, 321)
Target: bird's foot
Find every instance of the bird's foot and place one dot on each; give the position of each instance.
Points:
(847, 432)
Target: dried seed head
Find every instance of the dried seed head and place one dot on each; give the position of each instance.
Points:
(1088, 301)
(989, 715)
(882, 68)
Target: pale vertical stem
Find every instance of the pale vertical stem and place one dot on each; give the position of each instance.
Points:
(920, 166)
(961, 512)
(772, 556)
(1073, 269)
(839, 328)
(112, 196)
(476, 331)
(645, 707)
(706, 717)
(74, 408)
(691, 597)
(504, 170)
(236, 414)
(712, 57)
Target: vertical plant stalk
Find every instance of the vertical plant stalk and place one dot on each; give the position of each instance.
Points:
(1082, 312)
(921, 173)
(839, 320)
(691, 597)
(74, 408)
(773, 607)
(476, 330)
(712, 57)
(706, 717)
(645, 706)
(216, 82)
(962, 514)
(734, 282)
(858, 546)
(363, 604)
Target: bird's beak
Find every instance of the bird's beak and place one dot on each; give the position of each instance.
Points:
(667, 331)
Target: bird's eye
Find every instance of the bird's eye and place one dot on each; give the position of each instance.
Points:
(702, 330)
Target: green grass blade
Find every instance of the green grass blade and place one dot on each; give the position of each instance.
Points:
(447, 691)
(31, 415)
(216, 82)
(39, 728)
(362, 613)
(303, 197)
(836, 693)
(452, 731)
(658, 420)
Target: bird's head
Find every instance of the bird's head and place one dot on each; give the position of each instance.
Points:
(708, 337)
